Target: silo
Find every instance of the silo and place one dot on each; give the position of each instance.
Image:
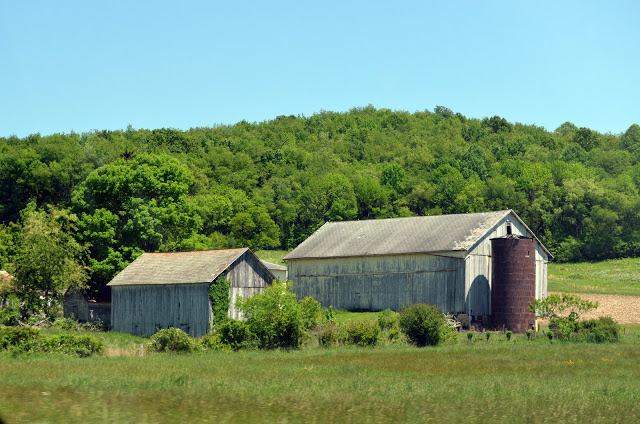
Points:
(513, 284)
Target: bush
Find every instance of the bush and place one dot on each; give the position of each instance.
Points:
(82, 345)
(387, 319)
(362, 333)
(19, 339)
(10, 313)
(601, 330)
(508, 334)
(310, 309)
(470, 335)
(228, 334)
(30, 340)
(423, 324)
(488, 335)
(329, 334)
(172, 340)
(275, 318)
(219, 295)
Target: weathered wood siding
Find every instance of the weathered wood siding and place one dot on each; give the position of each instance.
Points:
(375, 283)
(247, 276)
(144, 309)
(77, 306)
(478, 269)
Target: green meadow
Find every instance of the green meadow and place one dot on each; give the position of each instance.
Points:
(478, 381)
(615, 276)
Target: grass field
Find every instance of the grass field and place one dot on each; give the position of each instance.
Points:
(618, 276)
(515, 381)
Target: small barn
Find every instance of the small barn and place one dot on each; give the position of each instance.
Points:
(161, 290)
(390, 263)
(86, 307)
(278, 271)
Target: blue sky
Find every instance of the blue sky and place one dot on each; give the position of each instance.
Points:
(84, 65)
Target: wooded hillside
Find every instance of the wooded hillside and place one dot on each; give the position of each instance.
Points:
(271, 184)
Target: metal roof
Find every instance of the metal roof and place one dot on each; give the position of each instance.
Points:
(420, 234)
(177, 267)
(273, 266)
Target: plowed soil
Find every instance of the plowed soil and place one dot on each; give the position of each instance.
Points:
(623, 309)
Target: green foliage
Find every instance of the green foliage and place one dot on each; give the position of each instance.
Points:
(509, 334)
(82, 345)
(10, 311)
(556, 304)
(172, 340)
(470, 335)
(310, 309)
(550, 335)
(219, 295)
(329, 314)
(487, 335)
(362, 333)
(422, 324)
(26, 339)
(275, 317)
(329, 334)
(387, 319)
(48, 260)
(600, 330)
(228, 334)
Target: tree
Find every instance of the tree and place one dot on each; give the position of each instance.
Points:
(48, 260)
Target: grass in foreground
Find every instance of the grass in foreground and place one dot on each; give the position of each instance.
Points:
(514, 381)
(617, 276)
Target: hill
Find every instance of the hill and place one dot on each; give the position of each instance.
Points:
(269, 185)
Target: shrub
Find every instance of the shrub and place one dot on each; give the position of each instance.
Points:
(488, 335)
(310, 309)
(172, 340)
(82, 345)
(274, 317)
(228, 334)
(508, 334)
(601, 330)
(10, 313)
(329, 314)
(422, 324)
(470, 335)
(19, 339)
(387, 319)
(329, 334)
(550, 335)
(362, 333)
(529, 333)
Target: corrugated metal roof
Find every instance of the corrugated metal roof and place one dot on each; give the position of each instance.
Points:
(177, 267)
(272, 266)
(420, 234)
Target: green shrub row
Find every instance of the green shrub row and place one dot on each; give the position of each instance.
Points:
(18, 340)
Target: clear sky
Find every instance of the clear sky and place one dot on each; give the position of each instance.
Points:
(105, 64)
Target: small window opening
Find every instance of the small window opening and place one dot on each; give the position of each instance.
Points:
(509, 228)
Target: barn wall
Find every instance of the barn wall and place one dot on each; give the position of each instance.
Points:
(375, 283)
(478, 269)
(143, 309)
(77, 306)
(247, 276)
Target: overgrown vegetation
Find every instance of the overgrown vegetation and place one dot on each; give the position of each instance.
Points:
(219, 295)
(20, 340)
(423, 324)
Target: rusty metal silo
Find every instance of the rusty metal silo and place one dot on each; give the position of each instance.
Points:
(513, 283)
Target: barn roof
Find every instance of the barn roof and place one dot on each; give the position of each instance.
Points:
(273, 266)
(177, 267)
(420, 234)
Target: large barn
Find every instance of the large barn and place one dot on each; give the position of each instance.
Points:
(161, 290)
(390, 263)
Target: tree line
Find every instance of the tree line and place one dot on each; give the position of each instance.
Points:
(269, 185)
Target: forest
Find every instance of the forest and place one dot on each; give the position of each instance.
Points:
(97, 200)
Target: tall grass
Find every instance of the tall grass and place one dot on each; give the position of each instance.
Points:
(273, 256)
(477, 382)
(616, 276)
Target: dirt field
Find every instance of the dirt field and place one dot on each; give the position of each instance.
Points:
(624, 309)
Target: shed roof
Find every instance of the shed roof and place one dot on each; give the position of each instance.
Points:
(177, 267)
(273, 266)
(420, 234)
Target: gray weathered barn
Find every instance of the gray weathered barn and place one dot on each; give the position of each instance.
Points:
(161, 290)
(390, 263)
(84, 308)
(278, 271)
